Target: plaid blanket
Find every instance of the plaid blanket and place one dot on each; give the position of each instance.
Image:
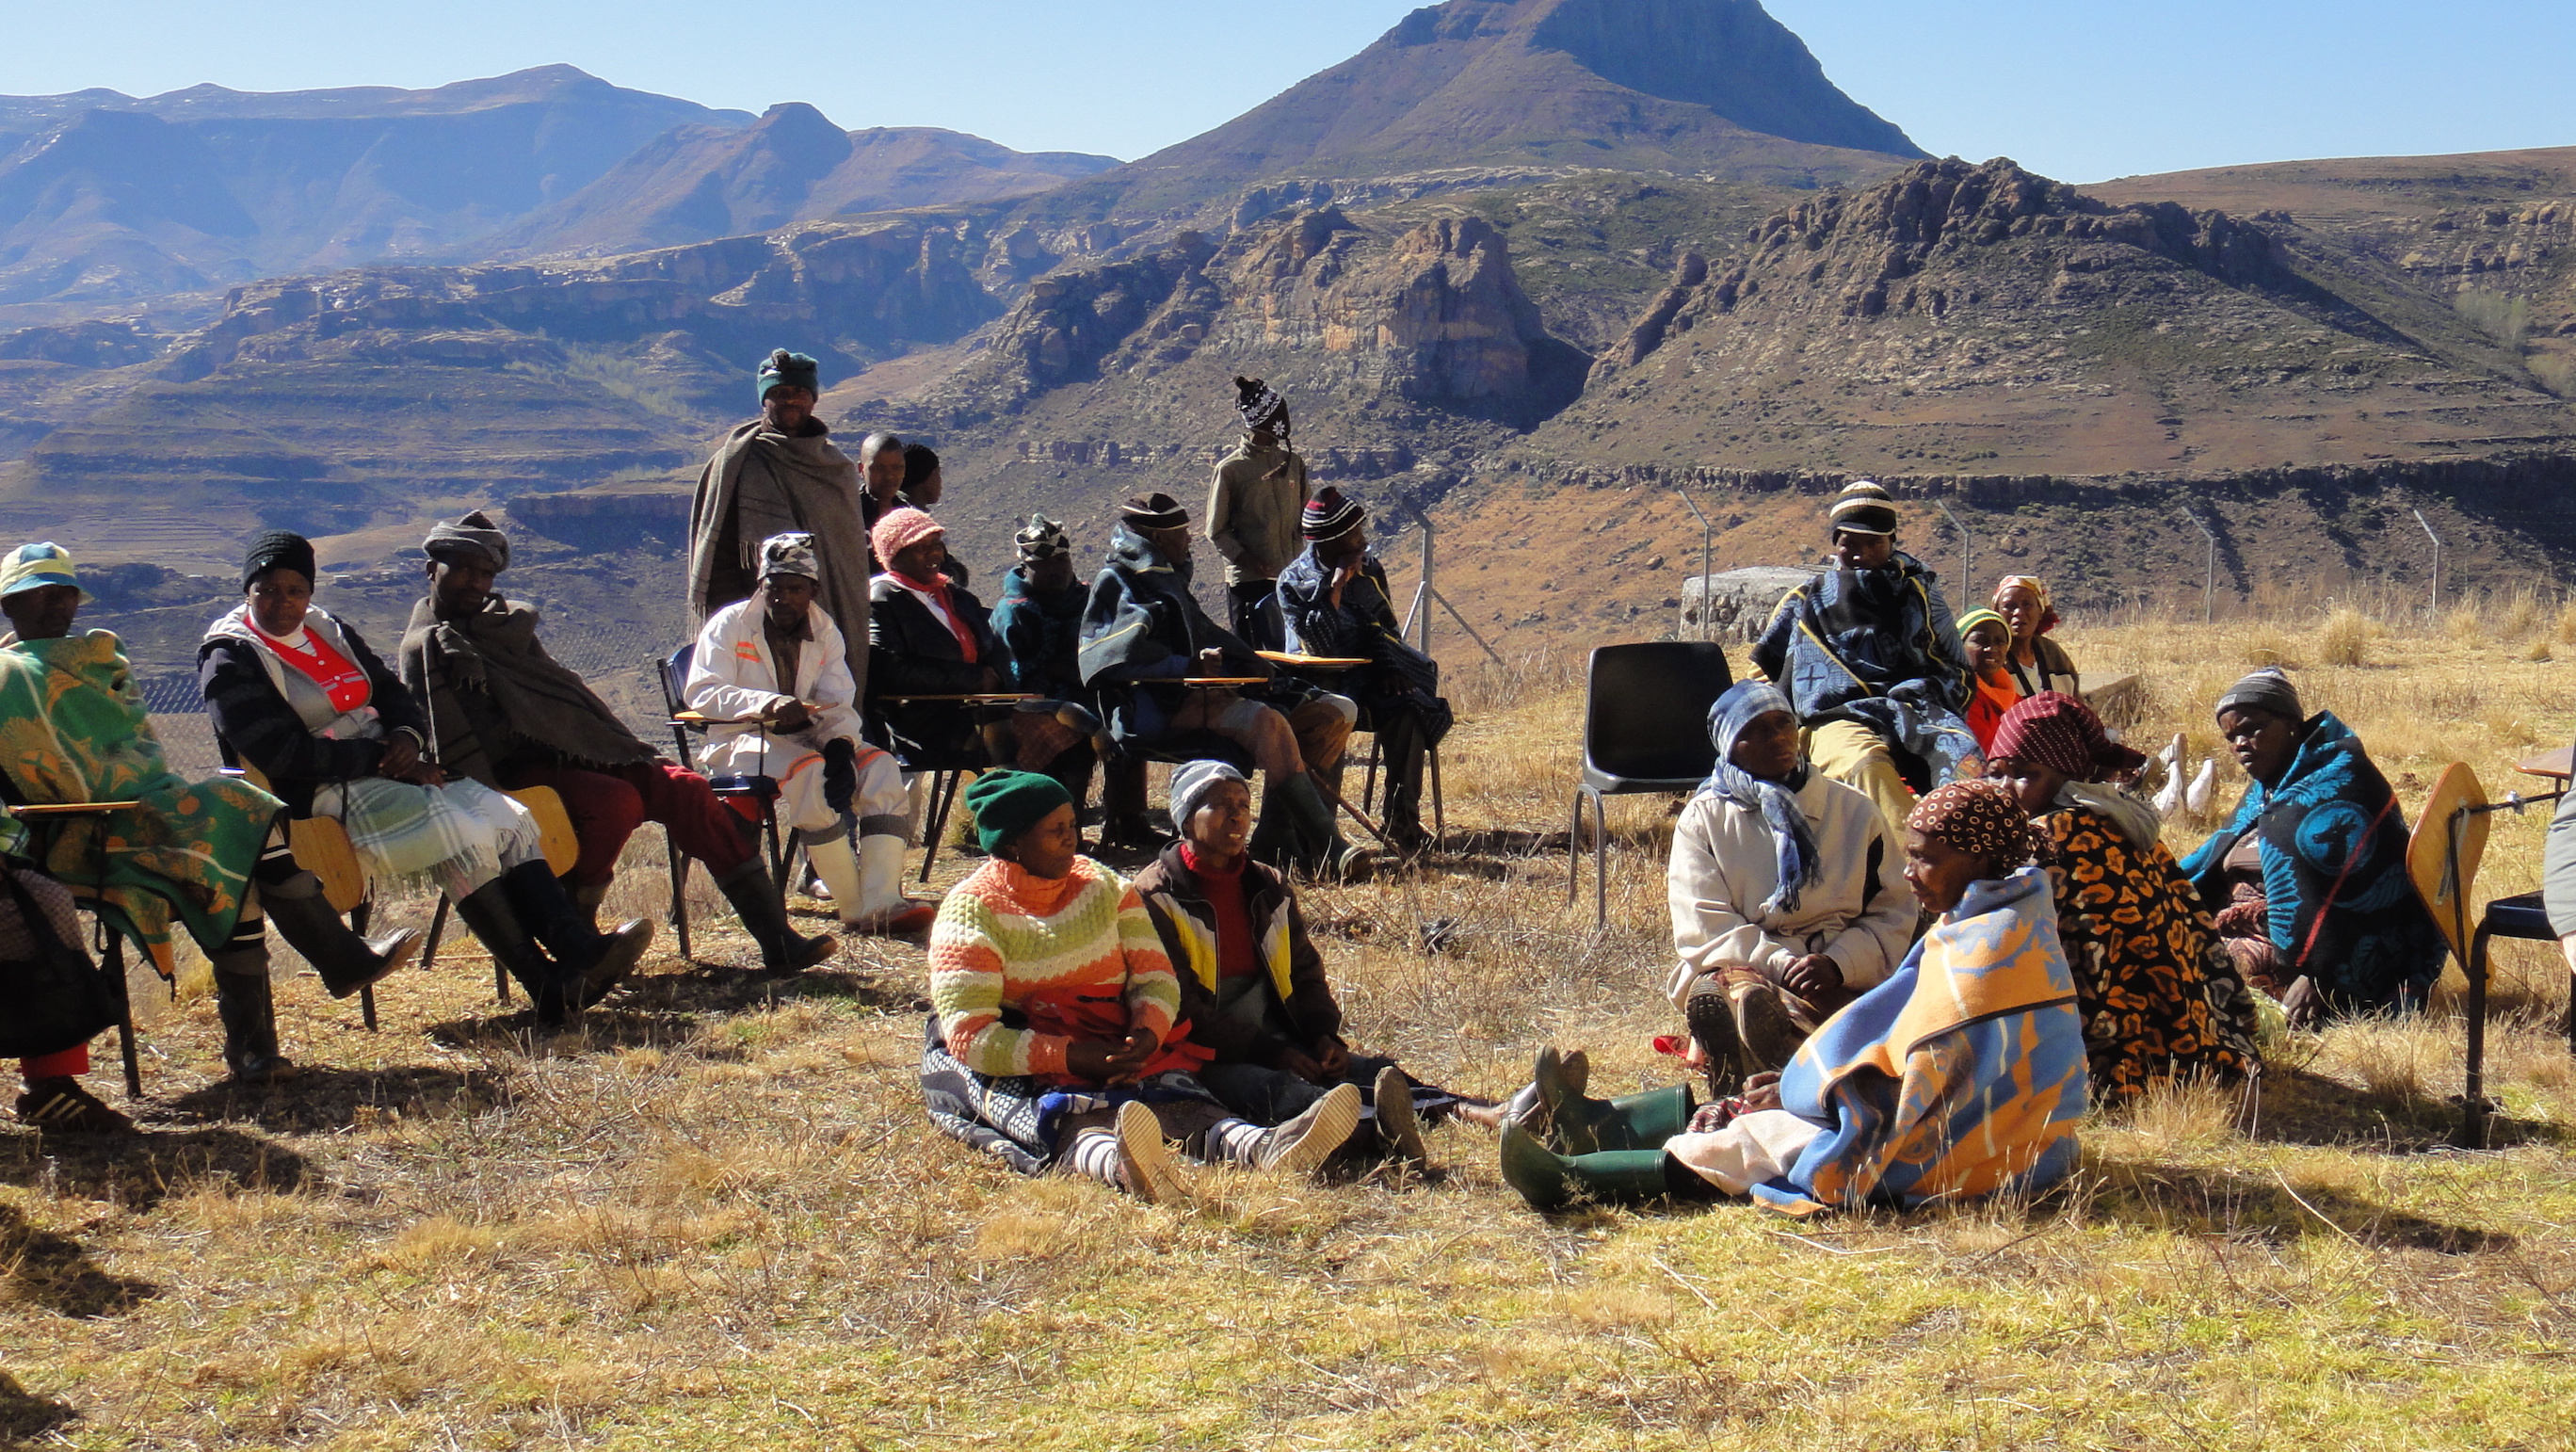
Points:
(74, 728)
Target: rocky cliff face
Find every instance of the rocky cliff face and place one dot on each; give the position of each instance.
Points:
(1431, 315)
(1955, 314)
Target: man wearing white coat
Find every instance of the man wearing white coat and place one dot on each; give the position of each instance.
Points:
(1788, 895)
(800, 727)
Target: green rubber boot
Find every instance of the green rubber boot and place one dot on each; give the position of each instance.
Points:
(1551, 1181)
(1578, 1125)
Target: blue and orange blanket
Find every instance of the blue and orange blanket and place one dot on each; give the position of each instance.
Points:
(1961, 1075)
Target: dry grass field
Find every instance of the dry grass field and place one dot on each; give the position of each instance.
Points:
(717, 1218)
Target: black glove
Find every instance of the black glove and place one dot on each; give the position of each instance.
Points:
(840, 773)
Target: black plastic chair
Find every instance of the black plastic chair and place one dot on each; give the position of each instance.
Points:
(1132, 753)
(685, 724)
(1645, 729)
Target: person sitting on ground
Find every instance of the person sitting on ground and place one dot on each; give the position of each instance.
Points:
(1143, 632)
(2038, 663)
(300, 696)
(1055, 1037)
(1038, 623)
(1787, 890)
(503, 711)
(1333, 600)
(37, 924)
(1253, 986)
(1253, 507)
(1869, 657)
(2308, 881)
(2160, 997)
(771, 672)
(1991, 690)
(782, 474)
(1963, 1075)
(207, 857)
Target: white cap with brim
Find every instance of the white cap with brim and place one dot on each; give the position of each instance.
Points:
(34, 566)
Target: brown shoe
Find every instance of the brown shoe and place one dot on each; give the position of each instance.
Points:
(1711, 1017)
(1397, 1127)
(1762, 1024)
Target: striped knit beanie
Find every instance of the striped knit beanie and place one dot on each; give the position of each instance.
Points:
(1864, 508)
(1154, 511)
(1330, 515)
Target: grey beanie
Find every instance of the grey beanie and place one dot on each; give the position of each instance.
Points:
(2265, 690)
(1190, 787)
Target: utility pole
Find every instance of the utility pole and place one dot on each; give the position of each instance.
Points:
(2437, 557)
(1707, 536)
(2209, 580)
(1967, 553)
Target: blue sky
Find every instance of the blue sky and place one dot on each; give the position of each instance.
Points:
(2079, 91)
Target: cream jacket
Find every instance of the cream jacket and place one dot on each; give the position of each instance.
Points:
(1725, 865)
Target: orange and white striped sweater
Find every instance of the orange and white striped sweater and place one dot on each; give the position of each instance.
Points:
(1021, 967)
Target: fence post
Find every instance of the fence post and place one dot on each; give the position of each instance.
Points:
(2437, 558)
(2209, 580)
(1967, 553)
(1706, 534)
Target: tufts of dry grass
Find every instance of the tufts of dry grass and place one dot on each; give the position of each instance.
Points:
(717, 1216)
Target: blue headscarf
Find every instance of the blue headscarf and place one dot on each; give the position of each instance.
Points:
(1776, 801)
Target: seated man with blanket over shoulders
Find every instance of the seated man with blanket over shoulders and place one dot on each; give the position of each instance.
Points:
(503, 711)
(1870, 659)
(1334, 602)
(1143, 634)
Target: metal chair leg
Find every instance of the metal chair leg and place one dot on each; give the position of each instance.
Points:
(1600, 863)
(1368, 783)
(2473, 1112)
(939, 804)
(125, 1048)
(1439, 809)
(679, 893)
(1574, 855)
(359, 917)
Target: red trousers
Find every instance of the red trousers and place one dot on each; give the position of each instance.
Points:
(607, 804)
(71, 1061)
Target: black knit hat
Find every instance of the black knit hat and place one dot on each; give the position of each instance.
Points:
(277, 549)
(1154, 511)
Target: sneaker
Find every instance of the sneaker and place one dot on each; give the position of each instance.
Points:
(59, 1105)
(1762, 1023)
(1144, 1160)
(1397, 1125)
(1302, 1145)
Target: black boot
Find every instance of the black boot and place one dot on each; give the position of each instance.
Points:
(599, 961)
(755, 901)
(347, 962)
(248, 1007)
(488, 915)
(1401, 742)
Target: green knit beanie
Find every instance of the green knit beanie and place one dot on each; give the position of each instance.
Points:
(1008, 803)
(782, 369)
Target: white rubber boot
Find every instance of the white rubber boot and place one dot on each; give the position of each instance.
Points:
(882, 906)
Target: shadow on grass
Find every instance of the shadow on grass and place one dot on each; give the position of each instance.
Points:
(2300, 1107)
(29, 1420)
(143, 1170)
(55, 1272)
(321, 1100)
(2269, 1208)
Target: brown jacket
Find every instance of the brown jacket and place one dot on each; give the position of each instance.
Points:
(1252, 518)
(1187, 925)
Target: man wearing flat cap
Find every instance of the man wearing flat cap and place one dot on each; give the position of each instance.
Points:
(1869, 655)
(782, 474)
(505, 712)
